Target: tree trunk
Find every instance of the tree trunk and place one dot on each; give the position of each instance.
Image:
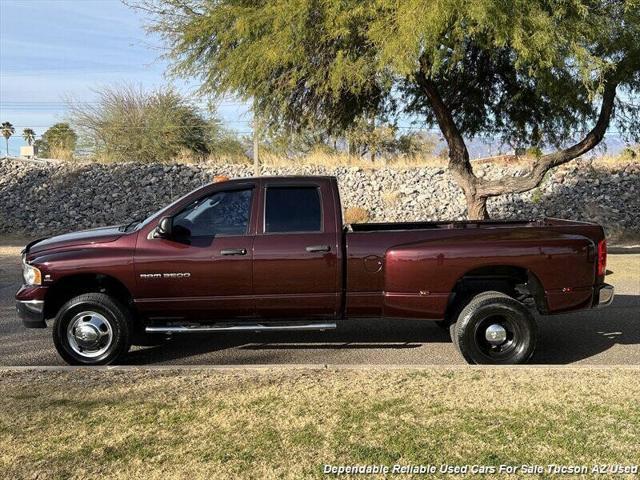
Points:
(477, 190)
(477, 208)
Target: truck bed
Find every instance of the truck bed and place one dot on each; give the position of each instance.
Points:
(409, 269)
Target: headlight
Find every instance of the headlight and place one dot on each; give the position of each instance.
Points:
(31, 275)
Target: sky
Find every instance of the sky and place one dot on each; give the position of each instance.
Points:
(51, 50)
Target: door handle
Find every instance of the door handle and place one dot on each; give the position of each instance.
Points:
(318, 248)
(233, 251)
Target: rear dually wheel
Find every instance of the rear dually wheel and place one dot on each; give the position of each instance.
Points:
(494, 328)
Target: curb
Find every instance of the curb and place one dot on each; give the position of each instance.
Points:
(312, 367)
(623, 249)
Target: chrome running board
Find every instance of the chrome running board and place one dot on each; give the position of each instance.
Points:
(255, 327)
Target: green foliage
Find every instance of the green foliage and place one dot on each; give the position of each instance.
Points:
(629, 153)
(416, 144)
(59, 141)
(29, 135)
(62, 136)
(287, 143)
(129, 124)
(41, 147)
(528, 71)
(534, 151)
(225, 144)
(536, 196)
(7, 130)
(364, 136)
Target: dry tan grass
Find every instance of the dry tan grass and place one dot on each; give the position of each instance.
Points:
(333, 160)
(614, 162)
(61, 153)
(287, 423)
(391, 198)
(356, 215)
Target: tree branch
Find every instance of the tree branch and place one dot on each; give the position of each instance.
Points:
(459, 164)
(491, 188)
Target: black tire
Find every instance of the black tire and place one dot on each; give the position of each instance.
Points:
(495, 308)
(103, 317)
(448, 323)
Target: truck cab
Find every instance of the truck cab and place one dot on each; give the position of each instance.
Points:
(269, 247)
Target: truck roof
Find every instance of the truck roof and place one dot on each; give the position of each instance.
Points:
(283, 178)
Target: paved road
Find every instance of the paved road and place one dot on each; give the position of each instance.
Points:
(609, 336)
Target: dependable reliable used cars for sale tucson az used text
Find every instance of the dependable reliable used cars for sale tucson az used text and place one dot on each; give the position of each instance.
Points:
(272, 254)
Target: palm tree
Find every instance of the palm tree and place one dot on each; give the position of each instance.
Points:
(29, 136)
(7, 131)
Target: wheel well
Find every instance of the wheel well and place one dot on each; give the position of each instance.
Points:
(517, 282)
(68, 287)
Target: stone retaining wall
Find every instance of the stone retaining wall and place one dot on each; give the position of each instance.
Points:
(52, 197)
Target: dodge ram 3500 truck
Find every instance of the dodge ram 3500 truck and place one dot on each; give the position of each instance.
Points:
(272, 254)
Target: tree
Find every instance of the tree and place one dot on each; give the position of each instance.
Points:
(7, 131)
(59, 141)
(29, 136)
(530, 72)
(128, 123)
(365, 136)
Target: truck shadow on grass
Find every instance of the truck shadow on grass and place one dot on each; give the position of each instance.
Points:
(563, 339)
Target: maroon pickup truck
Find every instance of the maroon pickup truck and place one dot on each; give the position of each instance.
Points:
(272, 254)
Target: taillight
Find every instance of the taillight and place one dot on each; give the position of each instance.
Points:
(602, 257)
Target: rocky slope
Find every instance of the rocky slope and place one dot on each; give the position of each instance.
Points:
(46, 198)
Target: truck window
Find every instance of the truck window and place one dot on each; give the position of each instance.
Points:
(223, 213)
(293, 209)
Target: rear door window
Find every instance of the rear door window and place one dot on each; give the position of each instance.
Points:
(293, 209)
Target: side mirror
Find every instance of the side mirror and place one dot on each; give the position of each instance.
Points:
(165, 227)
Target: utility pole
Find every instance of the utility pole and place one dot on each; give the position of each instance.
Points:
(256, 142)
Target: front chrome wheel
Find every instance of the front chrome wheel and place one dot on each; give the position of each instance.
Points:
(93, 329)
(89, 334)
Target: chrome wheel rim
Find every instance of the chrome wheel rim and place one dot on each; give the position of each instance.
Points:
(89, 334)
(495, 334)
(498, 337)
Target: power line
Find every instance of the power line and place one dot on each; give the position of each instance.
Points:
(63, 103)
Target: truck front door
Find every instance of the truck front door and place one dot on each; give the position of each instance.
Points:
(203, 271)
(295, 262)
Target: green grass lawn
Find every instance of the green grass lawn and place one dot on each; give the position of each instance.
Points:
(289, 423)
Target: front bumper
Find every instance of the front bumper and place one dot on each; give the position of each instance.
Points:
(604, 295)
(30, 305)
(31, 312)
